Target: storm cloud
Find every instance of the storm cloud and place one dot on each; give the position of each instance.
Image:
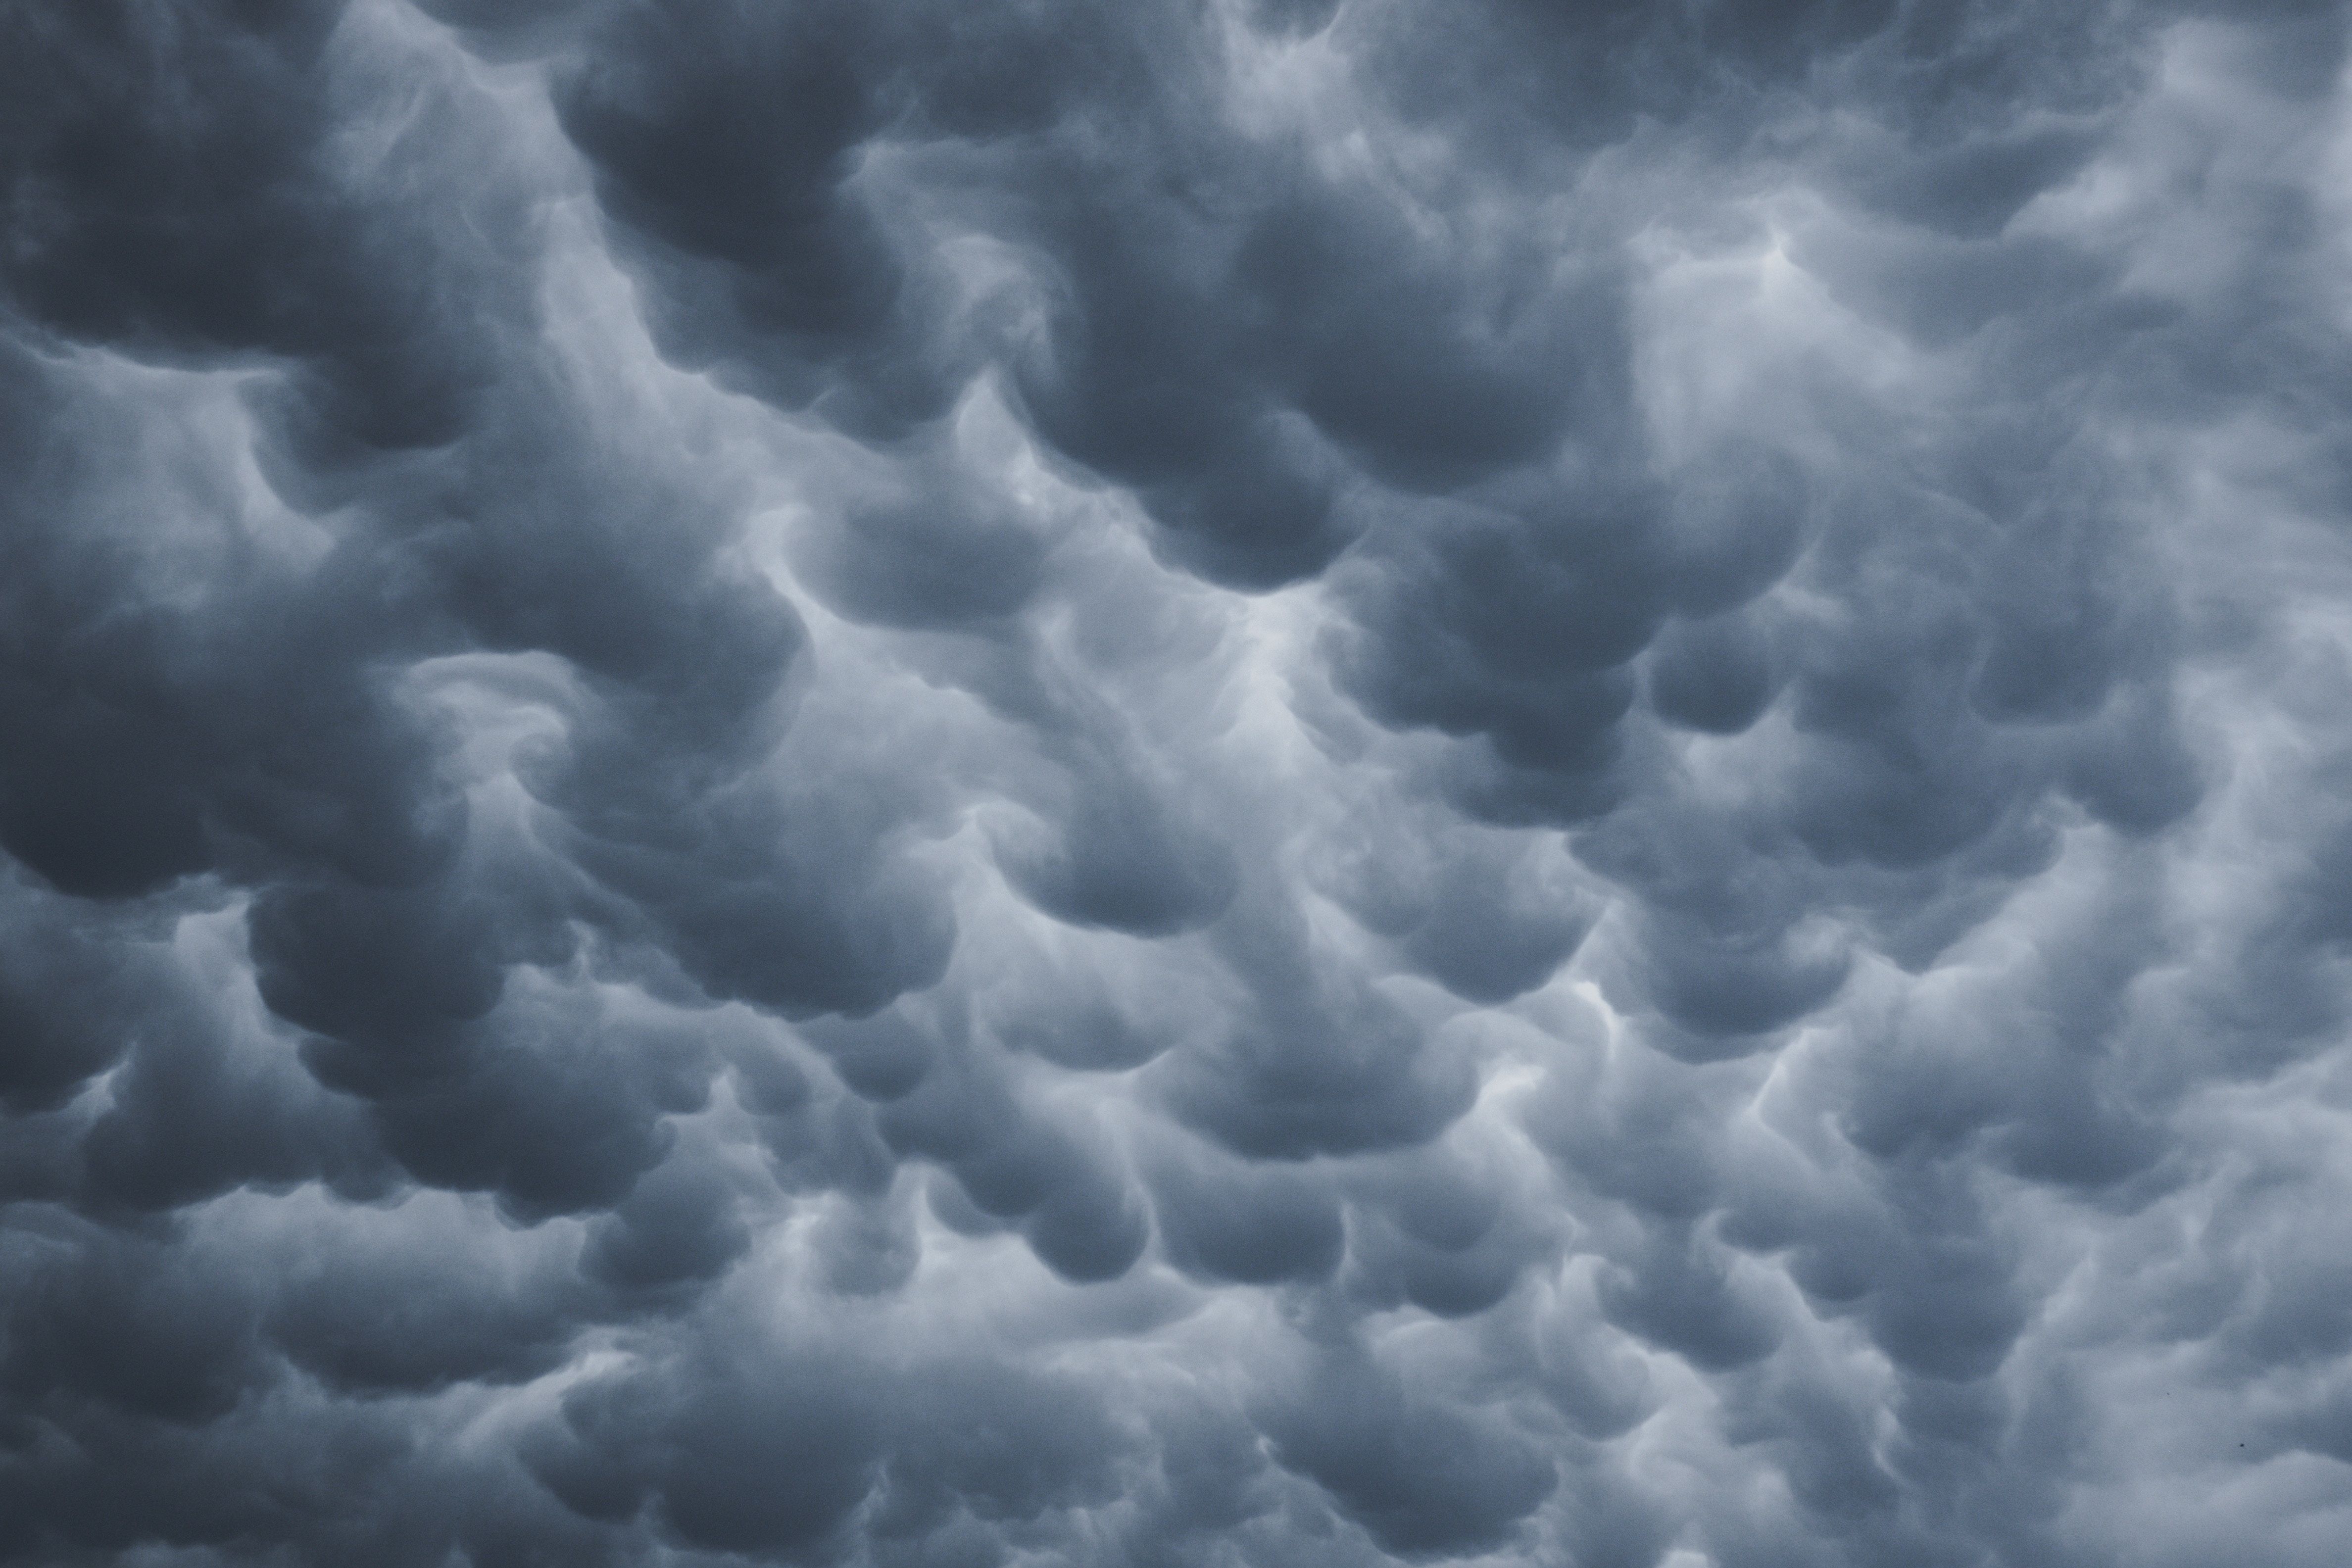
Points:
(1205, 783)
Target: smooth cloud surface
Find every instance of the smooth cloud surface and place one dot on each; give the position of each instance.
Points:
(1195, 782)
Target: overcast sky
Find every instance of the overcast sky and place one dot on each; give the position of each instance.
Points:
(1175, 784)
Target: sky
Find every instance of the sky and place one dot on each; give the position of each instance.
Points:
(1175, 784)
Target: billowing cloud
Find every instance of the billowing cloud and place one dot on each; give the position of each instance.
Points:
(1221, 783)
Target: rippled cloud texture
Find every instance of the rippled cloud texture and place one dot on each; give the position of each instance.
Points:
(1225, 784)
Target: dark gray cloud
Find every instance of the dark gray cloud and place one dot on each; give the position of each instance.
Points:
(1204, 784)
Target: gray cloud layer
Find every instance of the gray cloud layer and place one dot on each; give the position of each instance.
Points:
(1225, 783)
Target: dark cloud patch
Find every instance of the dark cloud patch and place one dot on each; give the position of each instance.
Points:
(1312, 1062)
(1434, 1233)
(1486, 916)
(50, 953)
(1714, 675)
(165, 170)
(1675, 1294)
(396, 1311)
(945, 556)
(119, 1320)
(1427, 1482)
(720, 1461)
(1120, 857)
(197, 1110)
(1224, 1220)
(1060, 1181)
(724, 138)
(154, 714)
(775, 1462)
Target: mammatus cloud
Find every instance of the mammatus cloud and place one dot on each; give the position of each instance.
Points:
(1235, 784)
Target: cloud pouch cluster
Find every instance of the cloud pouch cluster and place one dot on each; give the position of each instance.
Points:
(1191, 784)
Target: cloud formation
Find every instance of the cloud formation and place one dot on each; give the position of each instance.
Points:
(1223, 784)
